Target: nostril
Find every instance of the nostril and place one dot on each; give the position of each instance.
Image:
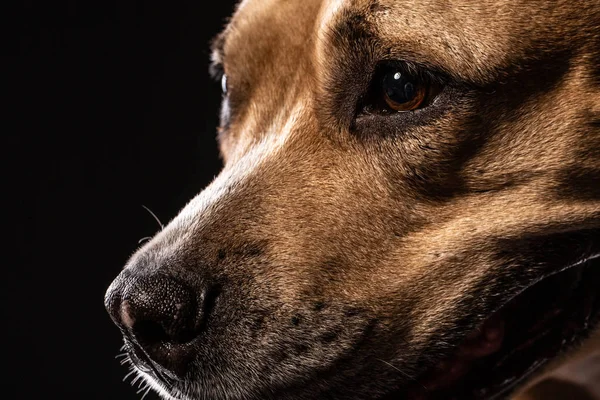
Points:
(168, 323)
(151, 332)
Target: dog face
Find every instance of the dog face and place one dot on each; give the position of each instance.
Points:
(409, 206)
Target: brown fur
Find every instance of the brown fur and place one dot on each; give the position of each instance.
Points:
(353, 251)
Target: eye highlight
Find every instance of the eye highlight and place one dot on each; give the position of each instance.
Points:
(396, 88)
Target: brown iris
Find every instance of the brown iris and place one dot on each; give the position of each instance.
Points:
(402, 92)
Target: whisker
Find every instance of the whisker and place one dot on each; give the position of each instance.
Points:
(133, 371)
(396, 368)
(136, 379)
(140, 379)
(145, 387)
(146, 393)
(155, 217)
(412, 378)
(142, 382)
(144, 238)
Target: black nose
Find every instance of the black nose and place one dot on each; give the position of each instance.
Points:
(159, 318)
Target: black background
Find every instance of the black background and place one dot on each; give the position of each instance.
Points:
(110, 108)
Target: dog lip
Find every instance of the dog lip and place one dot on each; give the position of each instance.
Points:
(144, 363)
(482, 342)
(511, 345)
(168, 362)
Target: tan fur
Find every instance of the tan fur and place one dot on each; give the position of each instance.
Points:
(413, 226)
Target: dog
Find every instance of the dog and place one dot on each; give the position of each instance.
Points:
(409, 208)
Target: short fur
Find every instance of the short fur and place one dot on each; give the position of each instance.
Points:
(353, 251)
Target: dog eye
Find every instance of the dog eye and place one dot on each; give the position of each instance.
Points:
(396, 88)
(402, 92)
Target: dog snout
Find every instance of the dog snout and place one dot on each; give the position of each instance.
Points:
(159, 317)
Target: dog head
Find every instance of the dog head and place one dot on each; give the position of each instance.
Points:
(409, 206)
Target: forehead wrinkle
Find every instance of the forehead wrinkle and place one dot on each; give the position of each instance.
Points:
(339, 16)
(353, 31)
(329, 11)
(477, 41)
(469, 42)
(443, 35)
